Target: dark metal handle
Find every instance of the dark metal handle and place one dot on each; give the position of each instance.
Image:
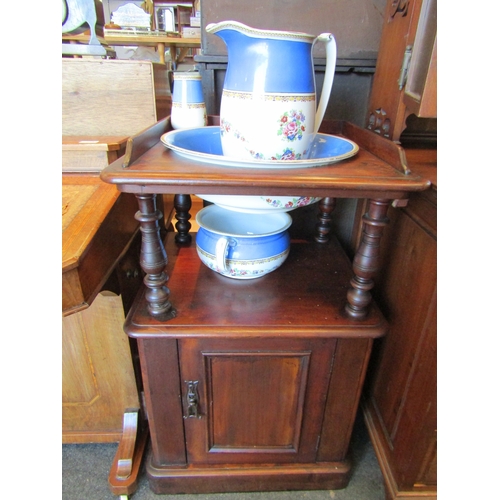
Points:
(192, 399)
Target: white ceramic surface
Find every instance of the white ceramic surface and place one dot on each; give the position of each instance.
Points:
(259, 204)
(204, 145)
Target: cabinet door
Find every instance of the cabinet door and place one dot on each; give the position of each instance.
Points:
(254, 400)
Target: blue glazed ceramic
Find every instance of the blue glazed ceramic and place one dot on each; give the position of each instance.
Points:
(188, 105)
(204, 144)
(242, 245)
(268, 105)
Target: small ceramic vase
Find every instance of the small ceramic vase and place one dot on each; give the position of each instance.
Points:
(188, 105)
(242, 245)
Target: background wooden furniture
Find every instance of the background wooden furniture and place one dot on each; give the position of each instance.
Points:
(400, 394)
(405, 82)
(212, 347)
(178, 46)
(101, 275)
(104, 103)
(112, 97)
(98, 377)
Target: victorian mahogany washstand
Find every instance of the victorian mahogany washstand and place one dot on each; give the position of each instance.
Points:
(254, 385)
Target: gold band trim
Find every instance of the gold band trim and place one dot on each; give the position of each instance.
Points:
(189, 105)
(232, 94)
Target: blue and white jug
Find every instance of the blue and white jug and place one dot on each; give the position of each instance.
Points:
(268, 107)
(188, 105)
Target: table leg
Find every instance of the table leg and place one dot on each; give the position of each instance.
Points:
(173, 56)
(153, 258)
(161, 52)
(182, 54)
(366, 261)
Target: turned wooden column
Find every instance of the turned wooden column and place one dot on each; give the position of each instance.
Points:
(182, 205)
(324, 226)
(153, 258)
(366, 261)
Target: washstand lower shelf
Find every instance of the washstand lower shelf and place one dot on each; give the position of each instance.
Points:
(254, 384)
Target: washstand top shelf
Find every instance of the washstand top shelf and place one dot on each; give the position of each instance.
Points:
(378, 170)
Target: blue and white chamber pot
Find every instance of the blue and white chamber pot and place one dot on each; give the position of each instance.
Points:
(242, 245)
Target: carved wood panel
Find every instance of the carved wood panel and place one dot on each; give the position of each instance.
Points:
(387, 115)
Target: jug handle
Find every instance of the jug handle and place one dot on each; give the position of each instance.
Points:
(221, 248)
(331, 61)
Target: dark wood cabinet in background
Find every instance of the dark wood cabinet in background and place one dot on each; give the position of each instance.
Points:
(403, 99)
(400, 403)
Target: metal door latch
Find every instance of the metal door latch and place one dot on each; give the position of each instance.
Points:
(192, 399)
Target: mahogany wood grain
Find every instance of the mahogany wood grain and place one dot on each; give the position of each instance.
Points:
(241, 478)
(277, 367)
(182, 204)
(260, 402)
(380, 174)
(324, 226)
(366, 175)
(304, 297)
(124, 473)
(277, 363)
(162, 385)
(153, 257)
(344, 391)
(401, 19)
(366, 260)
(400, 397)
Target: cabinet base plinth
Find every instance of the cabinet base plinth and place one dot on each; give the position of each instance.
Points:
(219, 479)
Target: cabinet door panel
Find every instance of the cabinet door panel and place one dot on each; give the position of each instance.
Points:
(255, 404)
(237, 381)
